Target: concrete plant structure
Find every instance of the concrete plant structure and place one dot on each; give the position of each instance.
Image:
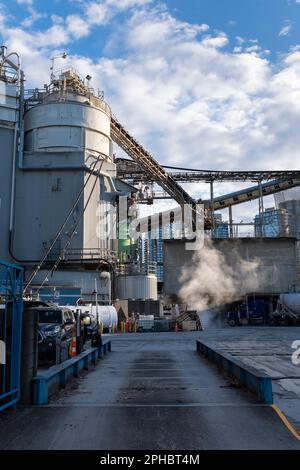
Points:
(277, 259)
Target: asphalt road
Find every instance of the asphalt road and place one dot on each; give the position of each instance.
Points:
(152, 392)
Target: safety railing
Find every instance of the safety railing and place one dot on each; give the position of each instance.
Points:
(132, 268)
(11, 312)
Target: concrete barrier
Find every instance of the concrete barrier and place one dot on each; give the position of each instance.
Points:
(45, 383)
(257, 382)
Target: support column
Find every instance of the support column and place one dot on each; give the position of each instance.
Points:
(212, 208)
(230, 222)
(261, 211)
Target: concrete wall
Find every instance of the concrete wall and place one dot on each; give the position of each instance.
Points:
(43, 199)
(276, 257)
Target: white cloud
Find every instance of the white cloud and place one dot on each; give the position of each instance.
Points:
(33, 17)
(240, 40)
(77, 26)
(285, 30)
(186, 98)
(218, 41)
(25, 2)
(97, 13)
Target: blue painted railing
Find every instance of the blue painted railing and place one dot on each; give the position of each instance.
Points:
(11, 313)
(257, 382)
(56, 377)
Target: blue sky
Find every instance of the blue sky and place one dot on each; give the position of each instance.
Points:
(252, 19)
(260, 20)
(213, 84)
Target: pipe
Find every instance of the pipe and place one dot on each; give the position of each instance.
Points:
(112, 183)
(16, 132)
(212, 208)
(5, 60)
(21, 120)
(230, 222)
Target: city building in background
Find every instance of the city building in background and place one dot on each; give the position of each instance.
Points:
(293, 209)
(221, 228)
(274, 223)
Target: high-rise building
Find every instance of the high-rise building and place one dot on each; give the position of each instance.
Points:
(274, 223)
(153, 246)
(293, 208)
(221, 228)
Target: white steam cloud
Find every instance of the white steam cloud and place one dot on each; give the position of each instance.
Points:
(213, 280)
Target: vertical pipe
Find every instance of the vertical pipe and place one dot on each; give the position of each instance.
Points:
(261, 210)
(212, 208)
(230, 222)
(21, 119)
(96, 300)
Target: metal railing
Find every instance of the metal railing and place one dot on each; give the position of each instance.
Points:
(84, 254)
(133, 268)
(11, 313)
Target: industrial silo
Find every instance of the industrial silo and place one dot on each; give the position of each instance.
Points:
(136, 287)
(66, 173)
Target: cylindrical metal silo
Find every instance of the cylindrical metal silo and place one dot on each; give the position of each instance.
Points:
(67, 136)
(136, 287)
(70, 125)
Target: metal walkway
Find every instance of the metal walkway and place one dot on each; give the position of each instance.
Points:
(130, 171)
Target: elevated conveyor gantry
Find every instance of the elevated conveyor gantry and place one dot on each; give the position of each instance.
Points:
(148, 164)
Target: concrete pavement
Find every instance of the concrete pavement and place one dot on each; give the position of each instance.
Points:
(152, 392)
(268, 350)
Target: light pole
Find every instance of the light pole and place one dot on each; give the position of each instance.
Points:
(53, 59)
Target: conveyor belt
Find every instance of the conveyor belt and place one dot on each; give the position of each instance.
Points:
(166, 181)
(148, 164)
(255, 192)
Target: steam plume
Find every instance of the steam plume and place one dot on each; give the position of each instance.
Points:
(212, 280)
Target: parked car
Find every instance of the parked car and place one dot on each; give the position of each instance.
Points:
(55, 324)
